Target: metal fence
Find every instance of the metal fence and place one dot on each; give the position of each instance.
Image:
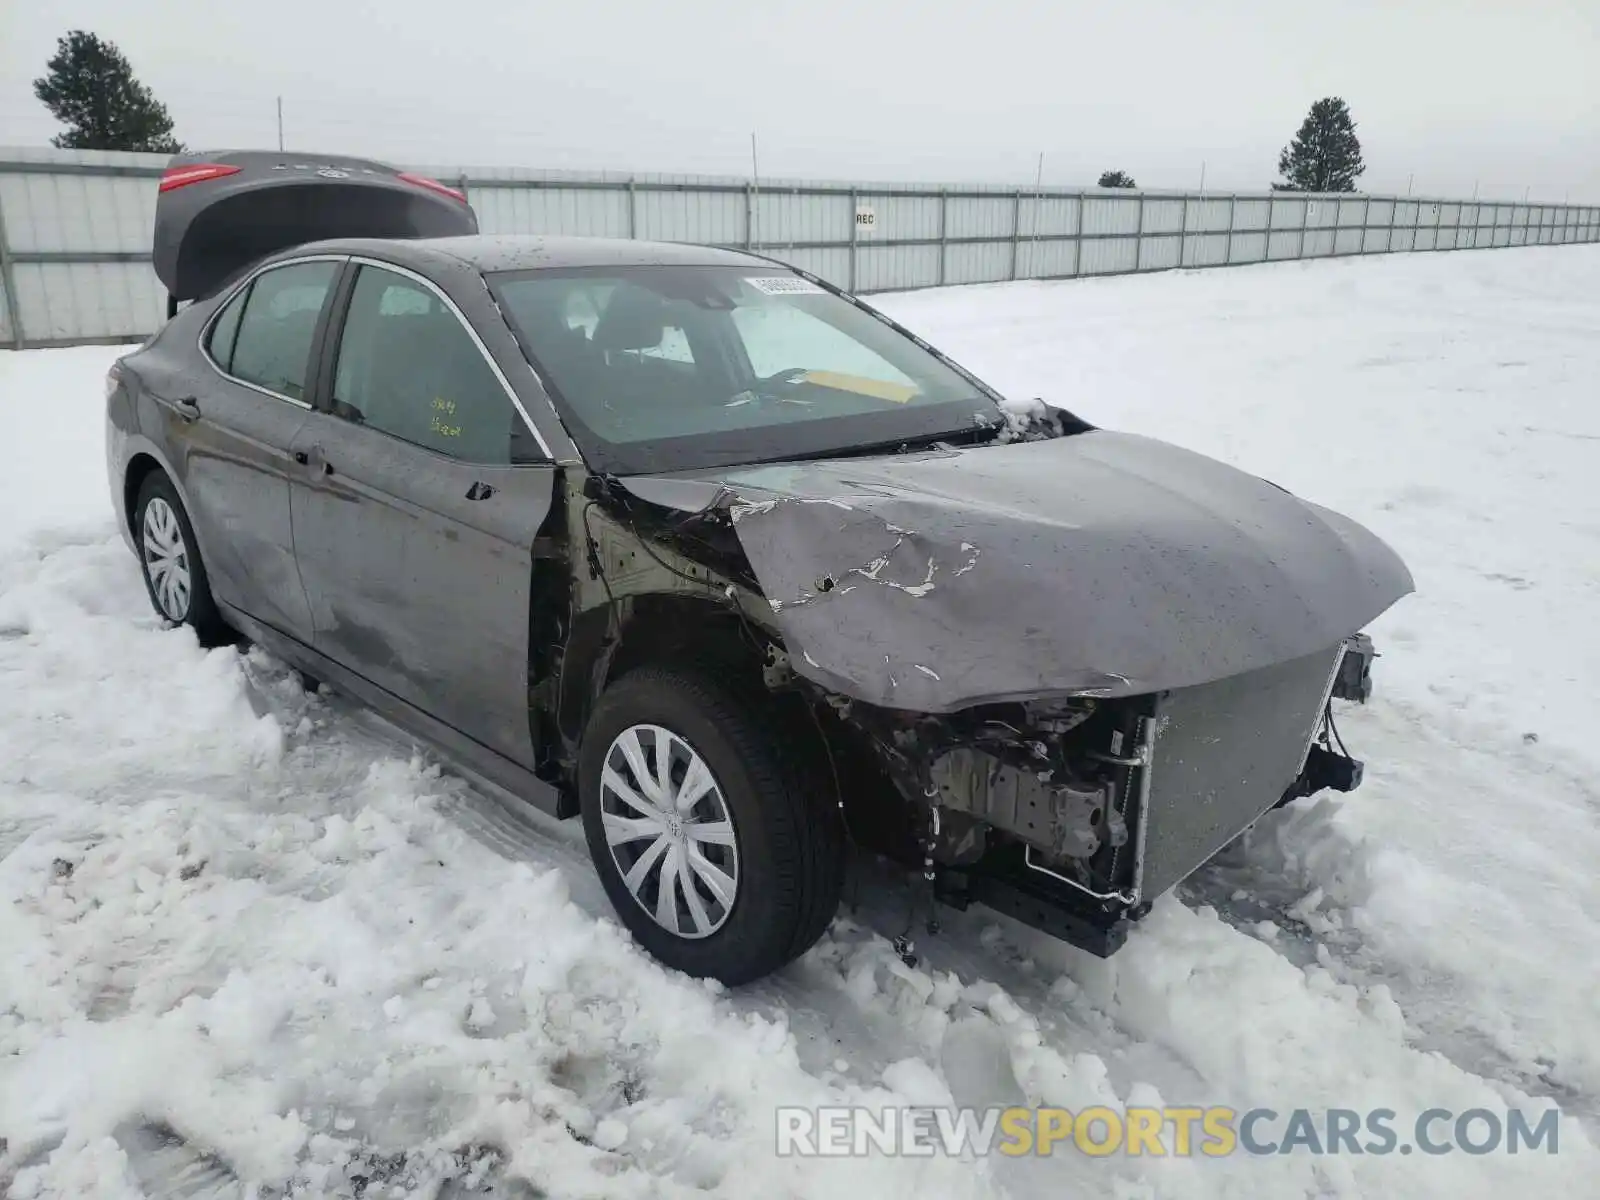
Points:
(75, 229)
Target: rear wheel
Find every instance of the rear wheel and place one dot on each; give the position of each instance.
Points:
(169, 558)
(716, 846)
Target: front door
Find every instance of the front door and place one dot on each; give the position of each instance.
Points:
(230, 439)
(415, 522)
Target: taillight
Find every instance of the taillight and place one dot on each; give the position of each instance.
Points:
(113, 380)
(177, 177)
(433, 185)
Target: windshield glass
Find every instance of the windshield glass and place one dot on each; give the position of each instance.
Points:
(662, 368)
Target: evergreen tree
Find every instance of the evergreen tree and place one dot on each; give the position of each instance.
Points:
(1325, 155)
(90, 88)
(1116, 179)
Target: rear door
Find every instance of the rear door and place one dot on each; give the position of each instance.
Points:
(231, 438)
(423, 491)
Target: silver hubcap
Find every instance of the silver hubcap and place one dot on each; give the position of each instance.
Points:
(669, 830)
(166, 559)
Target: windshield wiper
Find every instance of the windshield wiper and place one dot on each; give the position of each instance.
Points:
(975, 435)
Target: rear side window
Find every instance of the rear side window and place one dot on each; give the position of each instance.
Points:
(408, 367)
(226, 329)
(273, 343)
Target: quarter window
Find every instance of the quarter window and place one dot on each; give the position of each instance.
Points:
(273, 344)
(226, 329)
(408, 367)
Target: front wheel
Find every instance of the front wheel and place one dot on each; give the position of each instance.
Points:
(716, 846)
(169, 559)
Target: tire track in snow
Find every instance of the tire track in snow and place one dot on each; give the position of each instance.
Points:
(1330, 879)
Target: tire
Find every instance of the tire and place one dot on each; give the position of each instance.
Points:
(785, 839)
(169, 559)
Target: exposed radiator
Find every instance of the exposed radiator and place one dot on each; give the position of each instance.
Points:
(1224, 754)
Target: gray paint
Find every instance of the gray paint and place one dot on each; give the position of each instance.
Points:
(424, 591)
(1100, 564)
(345, 547)
(1097, 564)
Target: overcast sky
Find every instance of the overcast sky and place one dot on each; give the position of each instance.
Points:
(1504, 94)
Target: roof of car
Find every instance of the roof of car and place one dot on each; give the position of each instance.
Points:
(530, 252)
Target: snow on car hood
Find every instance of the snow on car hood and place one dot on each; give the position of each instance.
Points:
(1104, 563)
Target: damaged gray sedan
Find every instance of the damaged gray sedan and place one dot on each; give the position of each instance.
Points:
(690, 544)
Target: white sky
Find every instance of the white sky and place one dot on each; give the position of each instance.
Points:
(1504, 94)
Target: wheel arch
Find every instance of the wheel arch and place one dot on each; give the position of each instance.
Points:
(650, 629)
(140, 456)
(141, 465)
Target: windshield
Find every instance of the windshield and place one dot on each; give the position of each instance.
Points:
(663, 368)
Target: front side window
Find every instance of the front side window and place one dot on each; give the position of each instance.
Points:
(408, 367)
(673, 367)
(273, 344)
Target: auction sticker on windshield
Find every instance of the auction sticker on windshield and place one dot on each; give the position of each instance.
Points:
(785, 285)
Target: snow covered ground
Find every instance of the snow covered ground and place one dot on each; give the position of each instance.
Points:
(250, 938)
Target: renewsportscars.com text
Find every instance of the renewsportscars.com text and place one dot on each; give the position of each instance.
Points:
(1178, 1131)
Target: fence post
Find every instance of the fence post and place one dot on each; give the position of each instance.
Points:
(749, 215)
(8, 285)
(944, 205)
(1138, 237)
(1305, 219)
(1438, 211)
(1016, 229)
(1077, 237)
(1183, 232)
(1366, 213)
(1266, 246)
(1233, 205)
(855, 236)
(633, 208)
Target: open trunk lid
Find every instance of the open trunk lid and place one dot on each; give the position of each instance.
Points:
(217, 212)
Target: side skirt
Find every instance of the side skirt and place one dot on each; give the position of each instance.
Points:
(467, 755)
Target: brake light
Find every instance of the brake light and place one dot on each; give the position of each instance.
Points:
(177, 177)
(433, 185)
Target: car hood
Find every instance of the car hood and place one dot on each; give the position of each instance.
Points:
(1099, 564)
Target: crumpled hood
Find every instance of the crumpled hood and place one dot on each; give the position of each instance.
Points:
(1104, 563)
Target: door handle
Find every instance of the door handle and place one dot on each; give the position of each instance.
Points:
(187, 408)
(321, 464)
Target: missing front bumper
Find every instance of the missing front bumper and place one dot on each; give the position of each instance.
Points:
(1197, 768)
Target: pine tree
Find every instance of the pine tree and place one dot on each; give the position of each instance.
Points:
(1116, 179)
(90, 88)
(1325, 155)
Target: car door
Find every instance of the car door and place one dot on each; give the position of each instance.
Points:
(423, 493)
(230, 440)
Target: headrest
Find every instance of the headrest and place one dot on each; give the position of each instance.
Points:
(634, 320)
